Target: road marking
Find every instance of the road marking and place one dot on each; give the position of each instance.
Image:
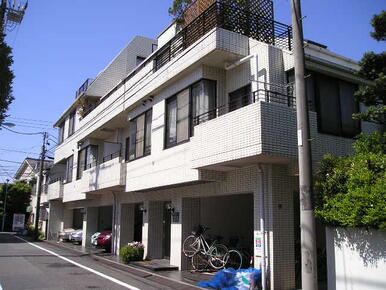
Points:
(82, 266)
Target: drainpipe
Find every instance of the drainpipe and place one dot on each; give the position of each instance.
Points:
(262, 225)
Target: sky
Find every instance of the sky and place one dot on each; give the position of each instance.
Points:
(62, 43)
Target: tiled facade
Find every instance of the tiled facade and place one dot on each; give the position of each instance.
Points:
(240, 154)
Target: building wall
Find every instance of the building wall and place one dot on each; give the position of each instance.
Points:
(356, 258)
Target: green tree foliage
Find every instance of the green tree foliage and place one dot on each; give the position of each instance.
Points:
(178, 8)
(18, 198)
(6, 77)
(351, 191)
(373, 68)
(379, 24)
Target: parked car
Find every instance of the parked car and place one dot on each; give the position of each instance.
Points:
(94, 240)
(65, 234)
(104, 240)
(76, 236)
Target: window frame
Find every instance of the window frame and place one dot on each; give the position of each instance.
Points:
(70, 170)
(190, 114)
(71, 125)
(128, 139)
(61, 132)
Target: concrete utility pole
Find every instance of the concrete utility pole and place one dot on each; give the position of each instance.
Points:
(39, 187)
(5, 205)
(307, 221)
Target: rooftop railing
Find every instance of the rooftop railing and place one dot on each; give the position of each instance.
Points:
(83, 87)
(231, 18)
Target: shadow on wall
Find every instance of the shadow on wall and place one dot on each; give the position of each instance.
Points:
(368, 243)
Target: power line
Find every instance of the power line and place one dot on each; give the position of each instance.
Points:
(26, 119)
(21, 133)
(17, 151)
(11, 161)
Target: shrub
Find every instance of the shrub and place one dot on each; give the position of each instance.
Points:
(132, 252)
(351, 191)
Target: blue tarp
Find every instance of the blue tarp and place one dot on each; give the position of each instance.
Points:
(230, 279)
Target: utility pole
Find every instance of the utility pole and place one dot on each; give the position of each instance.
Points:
(39, 187)
(5, 205)
(307, 221)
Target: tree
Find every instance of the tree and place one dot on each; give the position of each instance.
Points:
(18, 199)
(351, 191)
(373, 68)
(178, 8)
(6, 78)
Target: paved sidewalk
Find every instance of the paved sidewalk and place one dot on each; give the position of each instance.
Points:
(189, 277)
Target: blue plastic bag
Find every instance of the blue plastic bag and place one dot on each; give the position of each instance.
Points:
(230, 279)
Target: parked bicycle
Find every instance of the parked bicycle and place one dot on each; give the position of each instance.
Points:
(196, 247)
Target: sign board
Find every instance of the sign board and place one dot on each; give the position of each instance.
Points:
(18, 221)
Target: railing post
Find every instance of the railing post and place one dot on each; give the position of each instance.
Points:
(289, 37)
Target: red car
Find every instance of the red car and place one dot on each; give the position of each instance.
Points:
(104, 240)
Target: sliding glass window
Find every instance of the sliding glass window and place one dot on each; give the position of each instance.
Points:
(139, 141)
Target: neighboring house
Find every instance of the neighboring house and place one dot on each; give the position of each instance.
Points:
(29, 172)
(193, 128)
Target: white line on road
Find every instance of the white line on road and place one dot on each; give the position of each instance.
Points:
(81, 266)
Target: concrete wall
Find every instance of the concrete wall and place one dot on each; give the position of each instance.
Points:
(356, 259)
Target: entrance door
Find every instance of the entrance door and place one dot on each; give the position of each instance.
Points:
(167, 222)
(138, 222)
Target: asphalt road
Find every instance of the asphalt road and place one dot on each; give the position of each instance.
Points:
(42, 266)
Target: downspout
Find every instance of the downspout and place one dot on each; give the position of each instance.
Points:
(262, 226)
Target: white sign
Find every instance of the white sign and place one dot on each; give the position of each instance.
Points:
(18, 222)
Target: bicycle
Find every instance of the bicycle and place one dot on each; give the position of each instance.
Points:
(196, 247)
(234, 259)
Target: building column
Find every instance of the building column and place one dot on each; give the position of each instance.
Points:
(55, 219)
(145, 228)
(126, 228)
(90, 225)
(68, 218)
(176, 233)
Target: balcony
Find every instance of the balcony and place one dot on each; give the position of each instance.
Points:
(258, 132)
(248, 22)
(55, 189)
(109, 174)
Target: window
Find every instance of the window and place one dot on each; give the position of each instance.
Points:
(139, 142)
(140, 59)
(61, 133)
(71, 124)
(87, 158)
(177, 118)
(69, 168)
(240, 98)
(335, 106)
(179, 110)
(203, 101)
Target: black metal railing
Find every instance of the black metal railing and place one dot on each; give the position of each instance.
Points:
(230, 18)
(269, 96)
(53, 180)
(104, 159)
(83, 87)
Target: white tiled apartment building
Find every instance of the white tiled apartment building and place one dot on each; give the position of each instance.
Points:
(192, 128)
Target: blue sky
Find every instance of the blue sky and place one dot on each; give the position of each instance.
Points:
(62, 43)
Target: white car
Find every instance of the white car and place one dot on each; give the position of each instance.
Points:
(76, 236)
(94, 237)
(65, 234)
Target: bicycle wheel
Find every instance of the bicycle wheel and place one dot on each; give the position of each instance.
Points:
(191, 246)
(234, 260)
(217, 256)
(200, 262)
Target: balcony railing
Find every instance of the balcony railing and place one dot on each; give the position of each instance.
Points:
(230, 18)
(104, 159)
(83, 88)
(244, 100)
